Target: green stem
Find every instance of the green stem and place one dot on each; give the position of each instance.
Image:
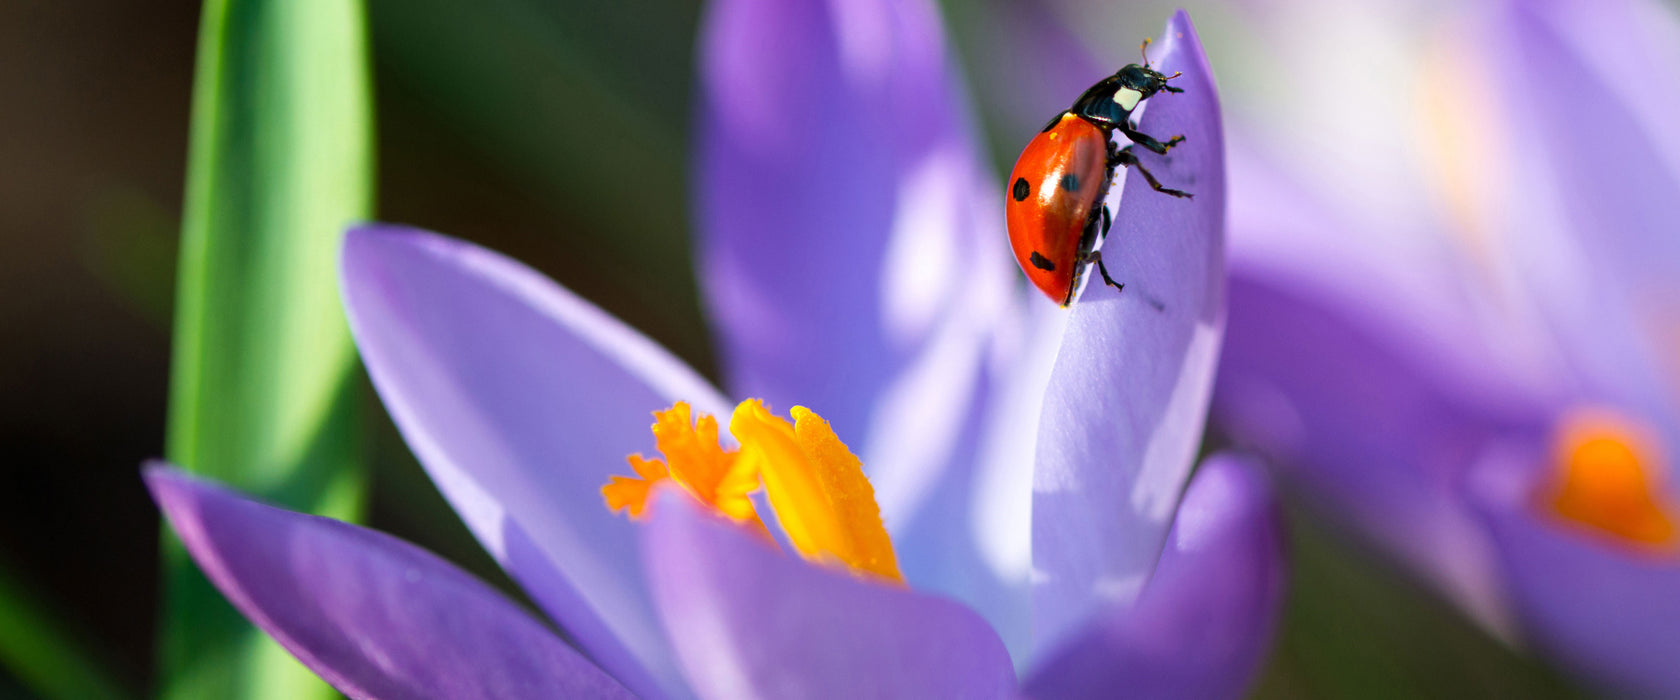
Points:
(263, 391)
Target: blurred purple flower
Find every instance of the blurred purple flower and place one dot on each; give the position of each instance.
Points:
(852, 259)
(1429, 375)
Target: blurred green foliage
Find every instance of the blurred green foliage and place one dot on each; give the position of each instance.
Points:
(582, 110)
(263, 386)
(1356, 626)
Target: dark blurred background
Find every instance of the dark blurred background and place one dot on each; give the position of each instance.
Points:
(522, 125)
(556, 132)
(93, 126)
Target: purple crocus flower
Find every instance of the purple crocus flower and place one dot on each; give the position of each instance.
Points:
(1032, 477)
(1489, 388)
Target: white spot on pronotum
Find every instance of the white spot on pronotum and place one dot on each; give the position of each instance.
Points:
(1127, 98)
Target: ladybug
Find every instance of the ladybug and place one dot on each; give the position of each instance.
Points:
(1055, 200)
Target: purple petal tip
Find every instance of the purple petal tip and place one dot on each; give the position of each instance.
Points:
(374, 616)
(1204, 622)
(1128, 397)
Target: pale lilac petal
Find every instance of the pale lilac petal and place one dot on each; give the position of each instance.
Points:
(1369, 420)
(851, 246)
(1619, 169)
(972, 540)
(1408, 273)
(1602, 255)
(750, 621)
(829, 131)
(521, 399)
(1604, 609)
(1203, 624)
(1128, 396)
(373, 615)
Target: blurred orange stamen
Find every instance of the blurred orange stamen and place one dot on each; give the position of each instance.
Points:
(1608, 478)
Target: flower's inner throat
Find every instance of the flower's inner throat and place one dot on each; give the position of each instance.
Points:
(1607, 477)
(815, 485)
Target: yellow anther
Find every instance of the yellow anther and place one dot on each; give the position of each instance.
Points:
(815, 484)
(630, 493)
(694, 460)
(1607, 477)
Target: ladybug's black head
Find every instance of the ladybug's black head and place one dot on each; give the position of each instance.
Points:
(1145, 80)
(1109, 103)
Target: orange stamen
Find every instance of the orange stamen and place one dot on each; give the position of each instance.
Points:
(694, 460)
(624, 492)
(815, 484)
(1607, 478)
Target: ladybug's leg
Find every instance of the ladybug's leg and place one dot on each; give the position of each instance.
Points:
(1145, 140)
(1108, 220)
(1126, 158)
(1095, 256)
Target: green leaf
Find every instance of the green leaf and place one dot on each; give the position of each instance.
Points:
(264, 385)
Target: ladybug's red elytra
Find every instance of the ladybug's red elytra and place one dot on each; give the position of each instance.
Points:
(1055, 195)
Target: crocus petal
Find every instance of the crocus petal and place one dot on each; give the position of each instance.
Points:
(1203, 624)
(1406, 272)
(1634, 45)
(1607, 610)
(373, 615)
(749, 621)
(849, 241)
(520, 398)
(851, 251)
(1128, 396)
(1371, 421)
(1620, 175)
(1604, 187)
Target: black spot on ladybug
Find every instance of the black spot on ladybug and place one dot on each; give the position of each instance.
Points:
(1070, 182)
(1022, 189)
(1042, 263)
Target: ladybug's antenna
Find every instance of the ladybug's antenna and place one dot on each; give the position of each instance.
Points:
(1145, 51)
(1169, 88)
